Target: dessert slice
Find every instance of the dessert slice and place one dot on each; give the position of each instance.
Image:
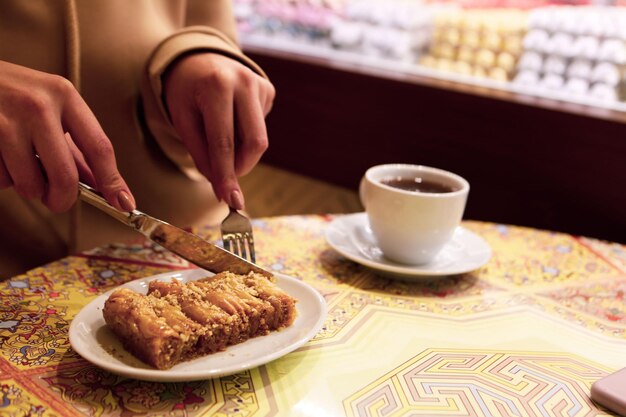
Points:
(152, 329)
(175, 322)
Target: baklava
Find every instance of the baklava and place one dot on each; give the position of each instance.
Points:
(176, 322)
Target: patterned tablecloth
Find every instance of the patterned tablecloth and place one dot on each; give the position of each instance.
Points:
(526, 335)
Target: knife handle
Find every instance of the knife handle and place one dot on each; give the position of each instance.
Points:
(91, 196)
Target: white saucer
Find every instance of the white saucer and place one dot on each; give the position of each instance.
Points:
(351, 236)
(91, 338)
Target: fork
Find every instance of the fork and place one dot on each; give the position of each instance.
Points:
(237, 235)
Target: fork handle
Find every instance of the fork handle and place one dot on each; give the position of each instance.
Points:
(92, 197)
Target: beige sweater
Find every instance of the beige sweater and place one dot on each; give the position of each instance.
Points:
(114, 51)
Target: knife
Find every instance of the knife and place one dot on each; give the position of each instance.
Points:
(184, 244)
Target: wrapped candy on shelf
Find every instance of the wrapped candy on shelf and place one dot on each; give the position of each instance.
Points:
(550, 19)
(466, 54)
(620, 24)
(485, 58)
(513, 43)
(593, 22)
(346, 35)
(552, 82)
(536, 39)
(603, 92)
(355, 11)
(580, 68)
(613, 50)
(537, 19)
(568, 21)
(498, 74)
(527, 78)
(506, 61)
(462, 68)
(445, 65)
(373, 39)
(555, 65)
(577, 86)
(471, 38)
(531, 61)
(560, 44)
(452, 36)
(606, 73)
(587, 47)
(479, 72)
(428, 61)
(380, 14)
(492, 40)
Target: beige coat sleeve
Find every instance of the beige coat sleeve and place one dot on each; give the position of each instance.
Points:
(210, 27)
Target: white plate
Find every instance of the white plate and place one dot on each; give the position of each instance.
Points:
(92, 339)
(351, 236)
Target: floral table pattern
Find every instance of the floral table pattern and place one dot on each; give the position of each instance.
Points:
(526, 335)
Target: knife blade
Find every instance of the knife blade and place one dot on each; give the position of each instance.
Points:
(184, 244)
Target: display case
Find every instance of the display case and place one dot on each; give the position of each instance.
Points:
(540, 155)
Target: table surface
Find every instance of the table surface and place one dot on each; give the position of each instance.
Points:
(525, 335)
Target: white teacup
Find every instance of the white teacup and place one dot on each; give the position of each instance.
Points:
(411, 227)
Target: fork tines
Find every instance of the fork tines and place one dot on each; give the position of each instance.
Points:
(237, 235)
(241, 244)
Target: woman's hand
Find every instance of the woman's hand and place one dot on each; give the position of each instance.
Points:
(218, 107)
(49, 138)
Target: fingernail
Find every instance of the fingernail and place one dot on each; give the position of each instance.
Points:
(125, 201)
(236, 200)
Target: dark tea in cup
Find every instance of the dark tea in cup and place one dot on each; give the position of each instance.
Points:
(418, 184)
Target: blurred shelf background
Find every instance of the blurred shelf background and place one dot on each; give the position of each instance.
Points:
(526, 48)
(554, 99)
(549, 155)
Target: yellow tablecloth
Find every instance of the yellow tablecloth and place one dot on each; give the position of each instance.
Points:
(526, 335)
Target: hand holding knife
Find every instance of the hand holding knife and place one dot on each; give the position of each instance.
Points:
(184, 244)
